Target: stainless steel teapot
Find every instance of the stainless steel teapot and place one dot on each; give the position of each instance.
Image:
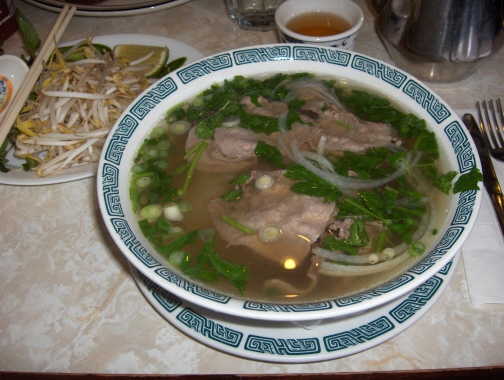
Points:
(440, 40)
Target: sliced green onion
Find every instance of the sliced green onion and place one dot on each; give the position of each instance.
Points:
(416, 249)
(197, 101)
(270, 233)
(151, 212)
(180, 127)
(264, 182)
(164, 144)
(150, 152)
(178, 258)
(162, 165)
(143, 181)
(184, 206)
(389, 253)
(172, 212)
(235, 224)
(139, 168)
(157, 132)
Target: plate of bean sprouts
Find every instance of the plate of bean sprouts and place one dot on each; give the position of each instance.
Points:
(61, 130)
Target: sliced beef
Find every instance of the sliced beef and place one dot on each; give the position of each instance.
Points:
(213, 160)
(266, 108)
(302, 219)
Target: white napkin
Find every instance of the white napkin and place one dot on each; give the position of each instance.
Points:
(483, 252)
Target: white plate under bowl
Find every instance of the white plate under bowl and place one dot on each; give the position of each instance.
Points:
(287, 342)
(143, 114)
(110, 8)
(20, 177)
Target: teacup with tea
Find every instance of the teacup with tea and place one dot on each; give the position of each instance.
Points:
(320, 22)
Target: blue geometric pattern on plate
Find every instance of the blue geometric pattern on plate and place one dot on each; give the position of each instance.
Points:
(153, 97)
(428, 101)
(385, 288)
(169, 302)
(209, 328)
(335, 57)
(266, 345)
(460, 143)
(340, 44)
(190, 287)
(277, 53)
(416, 300)
(465, 207)
(378, 70)
(123, 229)
(284, 308)
(446, 269)
(358, 335)
(446, 242)
(204, 67)
(110, 175)
(120, 139)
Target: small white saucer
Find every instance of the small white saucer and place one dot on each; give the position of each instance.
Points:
(12, 72)
(289, 342)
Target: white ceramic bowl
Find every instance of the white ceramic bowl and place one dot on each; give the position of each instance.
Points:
(344, 8)
(142, 115)
(12, 72)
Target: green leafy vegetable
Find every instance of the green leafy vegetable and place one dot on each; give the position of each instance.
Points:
(468, 181)
(270, 153)
(310, 184)
(30, 36)
(332, 244)
(179, 243)
(237, 274)
(444, 182)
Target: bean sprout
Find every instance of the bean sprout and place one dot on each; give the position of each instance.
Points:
(76, 105)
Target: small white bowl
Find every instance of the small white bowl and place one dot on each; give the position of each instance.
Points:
(344, 8)
(12, 72)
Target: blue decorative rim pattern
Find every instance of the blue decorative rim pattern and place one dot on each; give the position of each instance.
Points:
(287, 343)
(284, 57)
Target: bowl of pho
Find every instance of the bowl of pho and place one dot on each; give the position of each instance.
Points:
(289, 182)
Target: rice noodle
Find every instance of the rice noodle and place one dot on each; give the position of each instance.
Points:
(76, 105)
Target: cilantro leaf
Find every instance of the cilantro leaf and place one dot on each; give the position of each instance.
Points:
(270, 153)
(310, 184)
(468, 181)
(444, 182)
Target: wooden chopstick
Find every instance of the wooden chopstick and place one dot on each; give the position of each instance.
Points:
(36, 68)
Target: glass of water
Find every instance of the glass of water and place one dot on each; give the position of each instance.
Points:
(253, 14)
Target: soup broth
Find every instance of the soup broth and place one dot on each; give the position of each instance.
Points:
(259, 212)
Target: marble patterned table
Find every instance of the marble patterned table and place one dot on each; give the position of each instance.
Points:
(70, 304)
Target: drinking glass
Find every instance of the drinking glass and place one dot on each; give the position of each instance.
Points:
(253, 14)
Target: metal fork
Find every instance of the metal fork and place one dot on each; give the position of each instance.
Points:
(493, 133)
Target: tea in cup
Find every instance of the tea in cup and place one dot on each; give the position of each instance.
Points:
(332, 23)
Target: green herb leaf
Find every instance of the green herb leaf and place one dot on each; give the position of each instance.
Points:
(444, 182)
(177, 244)
(30, 36)
(332, 244)
(310, 184)
(468, 181)
(270, 153)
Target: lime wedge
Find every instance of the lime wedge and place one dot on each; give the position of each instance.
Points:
(134, 53)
